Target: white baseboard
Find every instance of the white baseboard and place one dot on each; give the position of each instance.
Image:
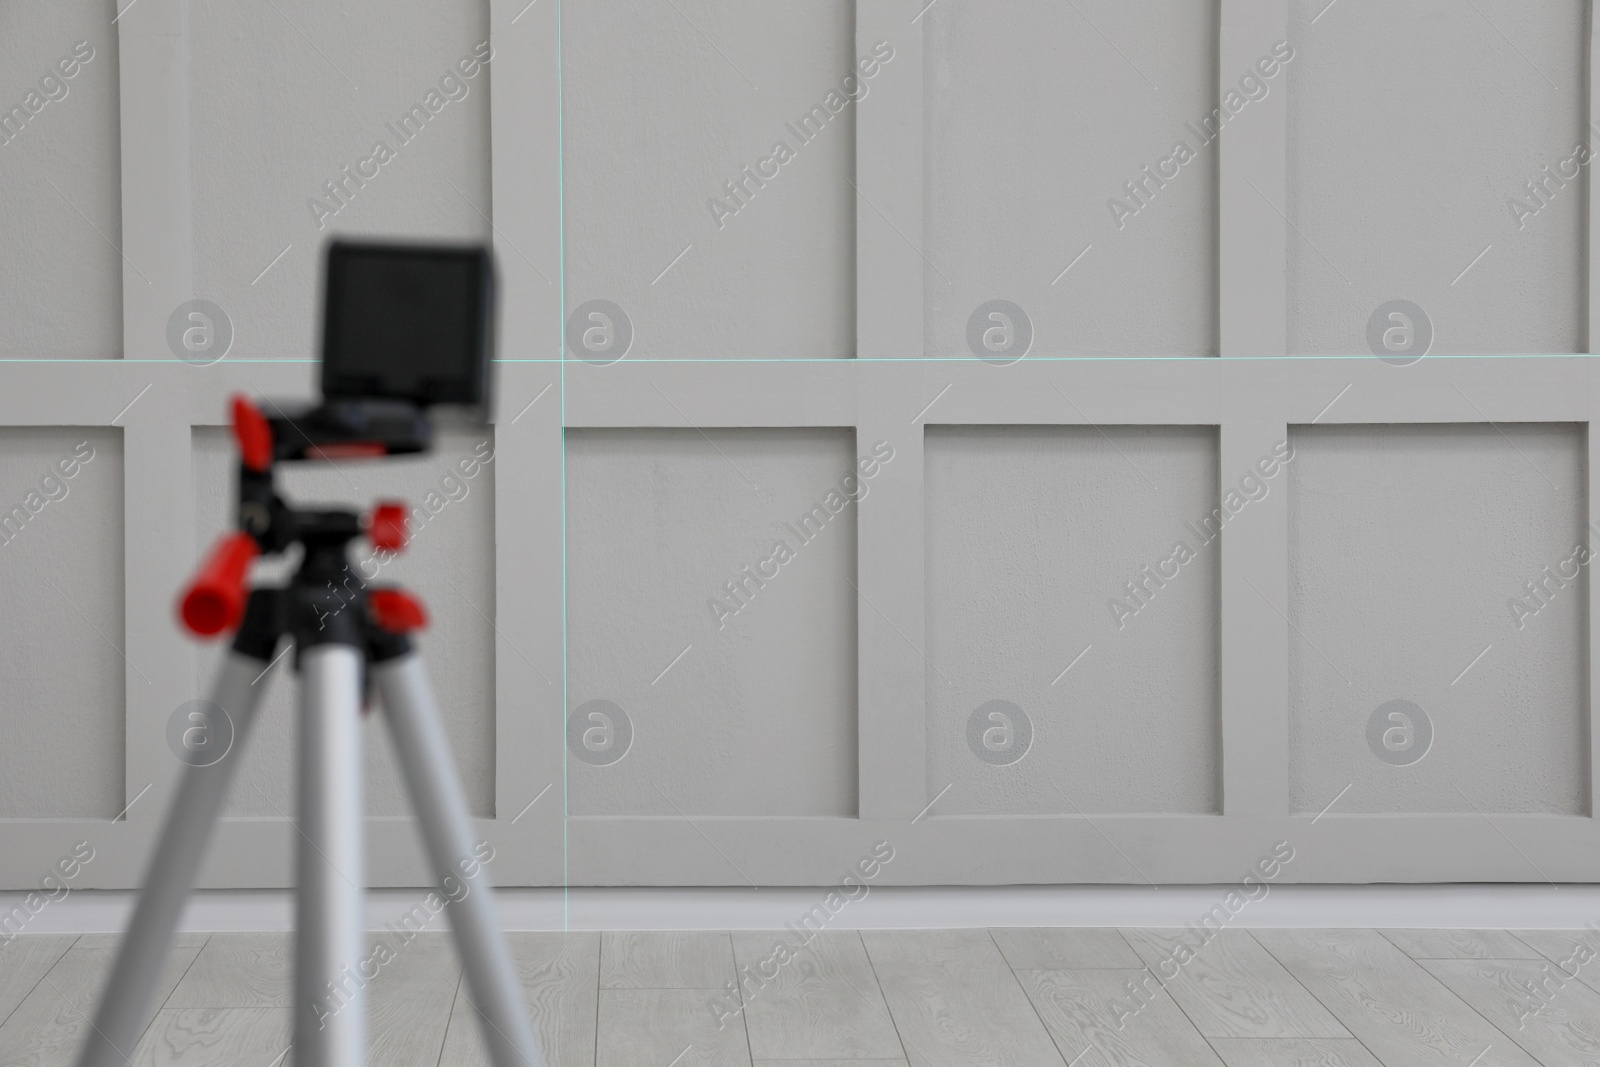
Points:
(1428, 906)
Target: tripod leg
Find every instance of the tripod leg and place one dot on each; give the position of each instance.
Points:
(441, 807)
(125, 1004)
(329, 1001)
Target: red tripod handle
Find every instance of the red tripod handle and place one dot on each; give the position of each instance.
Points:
(215, 600)
(253, 434)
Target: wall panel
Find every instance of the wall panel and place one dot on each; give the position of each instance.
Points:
(61, 276)
(1435, 566)
(314, 123)
(1413, 128)
(710, 598)
(1046, 550)
(1015, 195)
(61, 641)
(706, 258)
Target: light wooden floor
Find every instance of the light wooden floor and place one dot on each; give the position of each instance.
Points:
(927, 998)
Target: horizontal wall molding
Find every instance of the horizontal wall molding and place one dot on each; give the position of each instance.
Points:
(1406, 907)
(1296, 389)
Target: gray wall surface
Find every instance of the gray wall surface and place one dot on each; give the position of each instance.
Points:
(1411, 127)
(710, 89)
(1031, 530)
(1386, 615)
(977, 290)
(62, 279)
(758, 717)
(1033, 124)
(61, 572)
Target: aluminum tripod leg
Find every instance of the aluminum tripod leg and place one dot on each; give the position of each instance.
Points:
(441, 808)
(125, 1003)
(330, 936)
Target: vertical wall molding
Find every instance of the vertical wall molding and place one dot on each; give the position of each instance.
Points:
(1592, 259)
(159, 555)
(889, 216)
(157, 276)
(1254, 610)
(1592, 345)
(525, 132)
(157, 226)
(525, 178)
(890, 608)
(1252, 190)
(1591, 488)
(529, 721)
(1252, 315)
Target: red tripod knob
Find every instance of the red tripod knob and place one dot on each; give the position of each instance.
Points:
(387, 527)
(216, 598)
(396, 610)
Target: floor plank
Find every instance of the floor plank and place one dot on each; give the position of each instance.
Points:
(1231, 986)
(665, 959)
(241, 970)
(200, 1037)
(1572, 952)
(410, 999)
(880, 999)
(1459, 944)
(824, 1003)
(1556, 1019)
(1293, 1052)
(1386, 1000)
(47, 1027)
(24, 960)
(955, 1001)
(648, 1027)
(560, 978)
(1063, 948)
(1096, 1021)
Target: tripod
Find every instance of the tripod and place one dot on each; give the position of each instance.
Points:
(340, 638)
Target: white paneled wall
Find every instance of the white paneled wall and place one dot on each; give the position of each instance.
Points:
(1015, 648)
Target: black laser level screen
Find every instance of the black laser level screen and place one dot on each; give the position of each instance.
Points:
(407, 322)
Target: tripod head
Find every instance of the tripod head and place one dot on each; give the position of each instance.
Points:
(405, 328)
